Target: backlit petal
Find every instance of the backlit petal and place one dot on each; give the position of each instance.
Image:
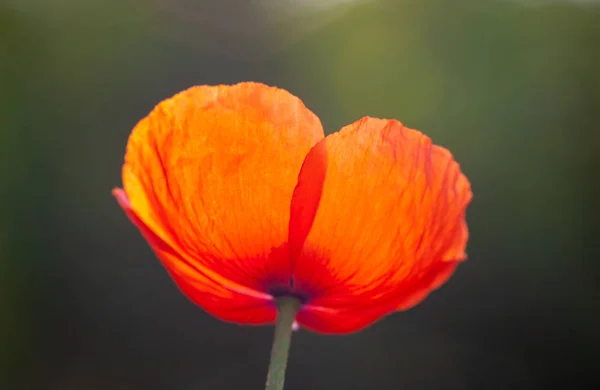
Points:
(210, 173)
(389, 228)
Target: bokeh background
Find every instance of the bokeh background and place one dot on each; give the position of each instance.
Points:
(511, 87)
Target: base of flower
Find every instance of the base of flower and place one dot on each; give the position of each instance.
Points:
(287, 307)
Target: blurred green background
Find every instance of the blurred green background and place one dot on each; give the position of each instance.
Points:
(511, 87)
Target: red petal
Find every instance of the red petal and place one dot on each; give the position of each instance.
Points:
(389, 226)
(210, 173)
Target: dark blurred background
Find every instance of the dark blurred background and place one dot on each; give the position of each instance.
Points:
(511, 87)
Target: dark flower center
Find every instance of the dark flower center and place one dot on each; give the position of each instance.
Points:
(286, 292)
(289, 291)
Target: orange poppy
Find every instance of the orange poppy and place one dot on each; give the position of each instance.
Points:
(244, 199)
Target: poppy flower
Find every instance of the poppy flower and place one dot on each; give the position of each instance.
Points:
(244, 200)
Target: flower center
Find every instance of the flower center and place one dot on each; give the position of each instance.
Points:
(289, 291)
(278, 292)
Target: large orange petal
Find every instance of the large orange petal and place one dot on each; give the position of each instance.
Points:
(210, 173)
(389, 227)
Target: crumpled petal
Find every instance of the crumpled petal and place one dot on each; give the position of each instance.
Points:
(208, 179)
(389, 225)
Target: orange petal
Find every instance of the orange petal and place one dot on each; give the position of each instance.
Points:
(390, 225)
(210, 173)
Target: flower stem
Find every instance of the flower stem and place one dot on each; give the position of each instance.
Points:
(286, 313)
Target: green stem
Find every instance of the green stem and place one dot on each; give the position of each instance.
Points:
(286, 313)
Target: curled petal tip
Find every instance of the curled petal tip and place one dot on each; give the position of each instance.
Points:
(122, 198)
